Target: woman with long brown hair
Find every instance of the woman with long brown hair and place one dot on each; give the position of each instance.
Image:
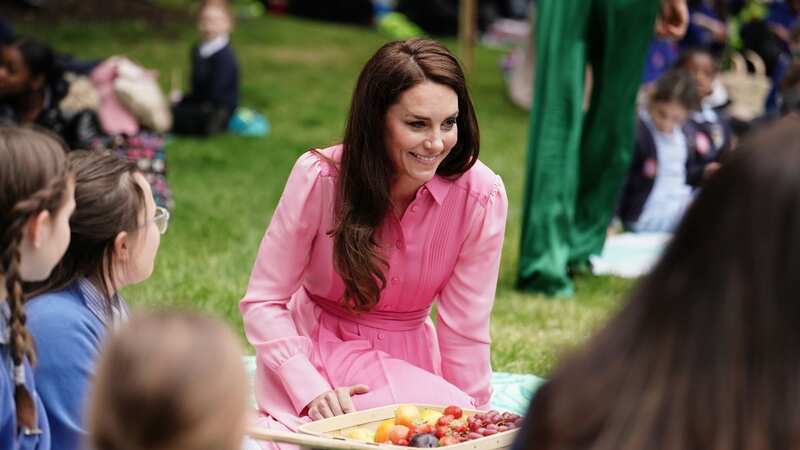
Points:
(36, 201)
(704, 354)
(367, 235)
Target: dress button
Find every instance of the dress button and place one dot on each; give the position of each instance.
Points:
(399, 244)
(395, 280)
(380, 336)
(414, 208)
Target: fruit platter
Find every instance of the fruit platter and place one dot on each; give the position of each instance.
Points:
(420, 426)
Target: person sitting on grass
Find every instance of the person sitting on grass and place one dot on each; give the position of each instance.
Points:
(711, 122)
(667, 162)
(214, 94)
(36, 201)
(367, 236)
(116, 232)
(703, 354)
(32, 84)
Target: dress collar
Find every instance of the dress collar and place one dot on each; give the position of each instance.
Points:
(438, 187)
(96, 302)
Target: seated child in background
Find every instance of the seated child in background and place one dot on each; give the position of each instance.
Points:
(214, 94)
(666, 165)
(710, 122)
(32, 84)
(169, 381)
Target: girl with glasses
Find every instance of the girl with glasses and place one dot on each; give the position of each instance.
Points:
(116, 232)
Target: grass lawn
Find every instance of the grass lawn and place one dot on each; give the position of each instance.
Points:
(301, 74)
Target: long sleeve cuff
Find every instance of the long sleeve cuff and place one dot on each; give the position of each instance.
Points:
(302, 381)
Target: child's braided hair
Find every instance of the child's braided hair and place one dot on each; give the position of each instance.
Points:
(33, 174)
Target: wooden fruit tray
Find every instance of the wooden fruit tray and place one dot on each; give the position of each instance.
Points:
(329, 433)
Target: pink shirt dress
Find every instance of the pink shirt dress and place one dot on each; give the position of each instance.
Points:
(445, 249)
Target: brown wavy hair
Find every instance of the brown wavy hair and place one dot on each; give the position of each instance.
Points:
(366, 170)
(107, 201)
(703, 356)
(34, 177)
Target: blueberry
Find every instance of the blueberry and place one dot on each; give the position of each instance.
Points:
(424, 440)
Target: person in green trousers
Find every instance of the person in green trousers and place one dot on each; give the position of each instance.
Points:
(577, 161)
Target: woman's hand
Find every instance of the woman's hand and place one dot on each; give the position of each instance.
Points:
(335, 402)
(673, 20)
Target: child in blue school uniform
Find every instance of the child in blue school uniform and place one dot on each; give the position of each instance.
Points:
(214, 94)
(712, 122)
(668, 165)
(36, 201)
(115, 237)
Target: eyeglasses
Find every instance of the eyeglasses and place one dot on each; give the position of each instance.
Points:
(161, 219)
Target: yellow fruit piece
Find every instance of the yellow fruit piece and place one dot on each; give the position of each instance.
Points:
(405, 415)
(360, 434)
(382, 433)
(430, 416)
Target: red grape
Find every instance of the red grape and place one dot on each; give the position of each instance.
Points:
(458, 426)
(454, 411)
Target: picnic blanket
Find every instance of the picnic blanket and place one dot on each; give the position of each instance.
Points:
(512, 391)
(629, 255)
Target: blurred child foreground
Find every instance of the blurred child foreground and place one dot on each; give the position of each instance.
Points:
(169, 381)
(701, 356)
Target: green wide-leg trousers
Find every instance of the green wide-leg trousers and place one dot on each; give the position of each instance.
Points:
(577, 161)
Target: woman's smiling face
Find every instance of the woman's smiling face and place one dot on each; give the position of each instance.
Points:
(421, 129)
